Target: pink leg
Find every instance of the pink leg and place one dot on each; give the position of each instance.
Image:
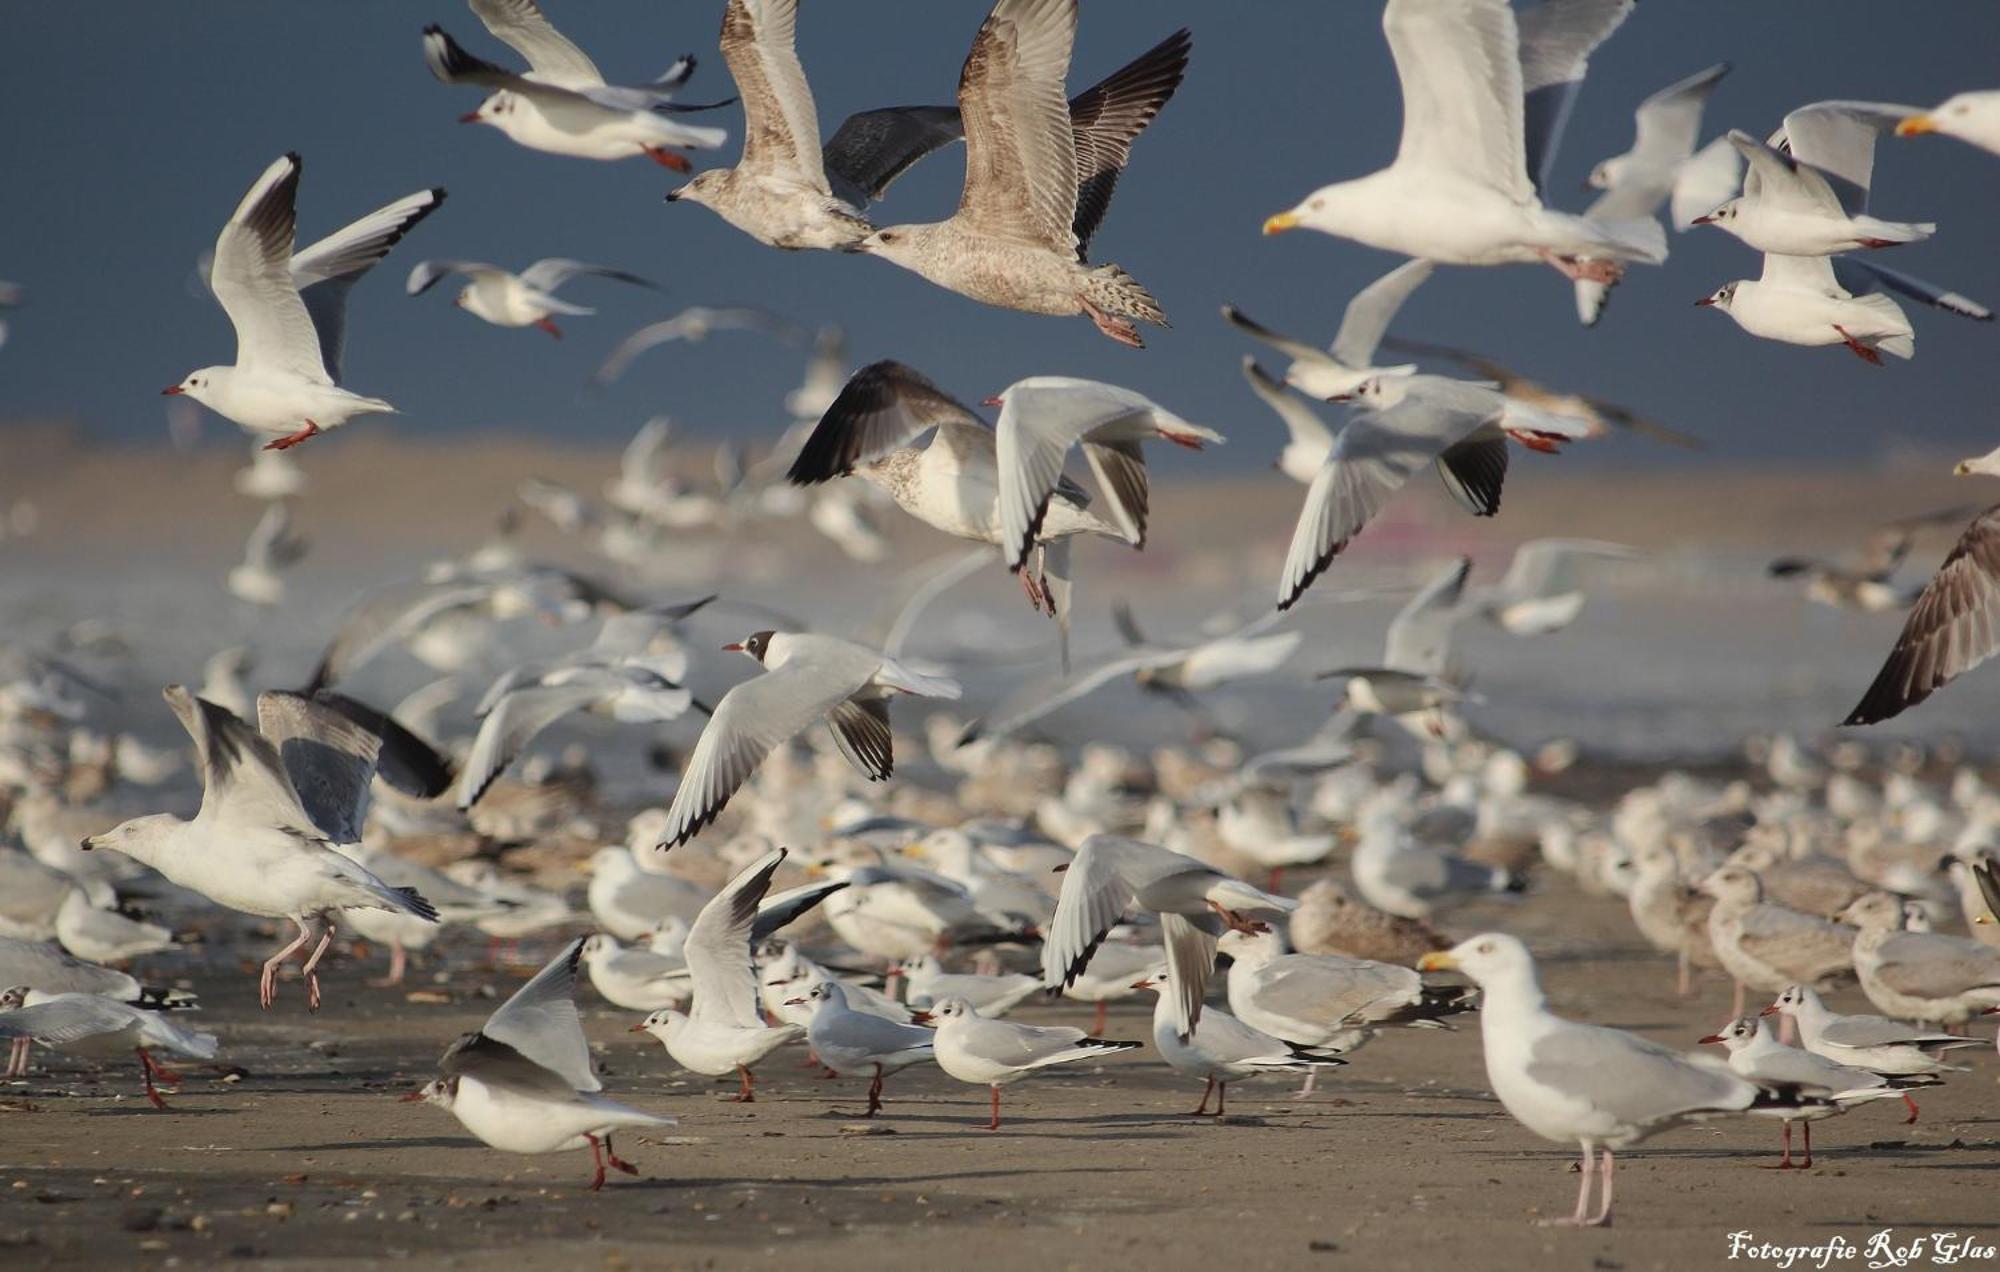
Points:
(1580, 270)
(1787, 1029)
(1807, 1163)
(312, 964)
(1576, 1218)
(1785, 1162)
(399, 962)
(746, 1092)
(17, 1061)
(1602, 1219)
(1112, 325)
(1737, 1009)
(267, 987)
(1684, 978)
(1306, 1088)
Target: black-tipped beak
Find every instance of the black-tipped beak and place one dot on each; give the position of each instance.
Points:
(1704, 302)
(88, 843)
(673, 196)
(1704, 219)
(172, 390)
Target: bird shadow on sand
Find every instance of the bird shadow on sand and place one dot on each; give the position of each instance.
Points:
(925, 1179)
(336, 1146)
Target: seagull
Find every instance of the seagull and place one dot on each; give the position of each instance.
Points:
(1875, 1043)
(1002, 486)
(693, 324)
(90, 1024)
(636, 977)
(51, 970)
(507, 299)
(275, 799)
(1925, 976)
(1110, 875)
(777, 193)
(523, 1082)
(1765, 945)
(1868, 584)
(1038, 179)
(1811, 199)
(1951, 628)
(1413, 880)
(289, 310)
(977, 1049)
(1402, 424)
(1538, 594)
(1342, 368)
(1756, 1054)
(1973, 118)
(1799, 300)
(1220, 1048)
(1463, 187)
(723, 1029)
(1662, 165)
(928, 984)
(1307, 438)
(1599, 415)
(806, 677)
(1415, 675)
(1588, 1084)
(618, 675)
(561, 104)
(852, 1042)
(272, 549)
(103, 935)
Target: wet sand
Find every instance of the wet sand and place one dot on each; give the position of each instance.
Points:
(1401, 1160)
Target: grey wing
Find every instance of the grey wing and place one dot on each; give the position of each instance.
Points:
(70, 1018)
(1094, 896)
(860, 728)
(1024, 707)
(871, 149)
(1297, 349)
(1419, 638)
(718, 947)
(1542, 568)
(631, 633)
(1371, 311)
(520, 25)
(693, 323)
(540, 1021)
(752, 719)
(1953, 627)
(785, 907)
(552, 272)
(1372, 459)
(239, 765)
(1301, 421)
(1106, 118)
(386, 616)
(515, 720)
(1880, 1031)
(329, 757)
(501, 1063)
(1120, 469)
(1669, 122)
(1799, 943)
(251, 277)
(1635, 1081)
(328, 269)
(1190, 963)
(1557, 38)
(1861, 276)
(883, 406)
(1927, 965)
(1838, 138)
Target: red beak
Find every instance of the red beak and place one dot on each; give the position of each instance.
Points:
(733, 647)
(1144, 984)
(471, 118)
(172, 391)
(1772, 1010)
(992, 401)
(411, 1098)
(1704, 302)
(636, 1029)
(1704, 219)
(1713, 1038)
(921, 1017)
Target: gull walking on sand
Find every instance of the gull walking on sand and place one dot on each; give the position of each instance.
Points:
(977, 1049)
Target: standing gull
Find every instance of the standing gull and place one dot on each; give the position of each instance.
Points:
(974, 1048)
(507, 299)
(1581, 1084)
(523, 1083)
(1462, 188)
(1927, 976)
(1755, 1053)
(287, 357)
(1220, 1048)
(1878, 1044)
(1033, 197)
(851, 1042)
(98, 1026)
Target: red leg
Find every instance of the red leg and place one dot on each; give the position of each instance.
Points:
(994, 1125)
(290, 440)
(1785, 1162)
(745, 1093)
(597, 1158)
(1221, 1097)
(875, 1094)
(1807, 1163)
(1034, 591)
(549, 325)
(616, 1161)
(1859, 350)
(1912, 1106)
(311, 968)
(1276, 883)
(1586, 271)
(1237, 923)
(1202, 1109)
(1100, 1019)
(146, 1068)
(668, 159)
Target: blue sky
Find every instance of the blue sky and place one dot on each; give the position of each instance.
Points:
(136, 126)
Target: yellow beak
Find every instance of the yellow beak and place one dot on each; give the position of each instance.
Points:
(1439, 961)
(1916, 124)
(1280, 223)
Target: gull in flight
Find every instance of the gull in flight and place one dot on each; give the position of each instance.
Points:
(1954, 625)
(289, 310)
(523, 1083)
(1463, 187)
(694, 324)
(561, 104)
(1539, 593)
(1589, 1085)
(272, 549)
(1415, 676)
(1810, 198)
(1973, 118)
(1035, 190)
(806, 678)
(506, 299)
(1342, 368)
(1799, 300)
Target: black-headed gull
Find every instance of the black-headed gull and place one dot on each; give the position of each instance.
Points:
(1339, 370)
(637, 977)
(1220, 1048)
(1539, 592)
(806, 678)
(1973, 118)
(1413, 880)
(927, 984)
(100, 934)
(1033, 195)
(561, 104)
(1462, 189)
(1195, 902)
(1811, 198)
(977, 1049)
(52, 970)
(523, 1081)
(1588, 1085)
(287, 349)
(1893, 1048)
(262, 842)
(851, 1042)
(1799, 300)
(92, 1025)
(1951, 628)
(508, 299)
(1415, 676)
(1755, 1053)
(271, 549)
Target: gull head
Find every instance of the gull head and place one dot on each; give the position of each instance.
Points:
(952, 1009)
(439, 1091)
(756, 645)
(1605, 175)
(1721, 216)
(1790, 1003)
(701, 188)
(1154, 979)
(1987, 465)
(898, 243)
(1332, 209)
(1379, 392)
(140, 838)
(1737, 1034)
(1877, 911)
(497, 110)
(13, 997)
(1721, 298)
(662, 1024)
(1488, 958)
(1733, 883)
(198, 384)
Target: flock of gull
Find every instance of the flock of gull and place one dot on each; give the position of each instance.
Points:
(789, 894)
